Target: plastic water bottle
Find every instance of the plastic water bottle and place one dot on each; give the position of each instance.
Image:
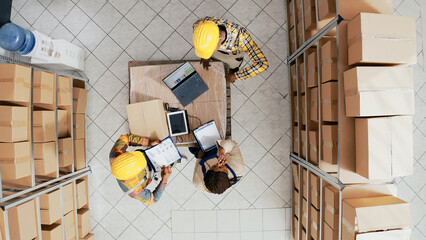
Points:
(16, 39)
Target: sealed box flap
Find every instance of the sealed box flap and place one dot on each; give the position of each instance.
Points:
(369, 190)
(148, 119)
(381, 213)
(387, 26)
(51, 200)
(329, 93)
(329, 52)
(361, 79)
(22, 221)
(15, 152)
(15, 71)
(331, 198)
(401, 234)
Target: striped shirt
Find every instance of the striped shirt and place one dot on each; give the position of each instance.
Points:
(239, 40)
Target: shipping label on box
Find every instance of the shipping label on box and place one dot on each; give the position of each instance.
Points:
(313, 104)
(329, 60)
(315, 224)
(79, 121)
(148, 119)
(312, 69)
(79, 100)
(45, 158)
(44, 126)
(22, 221)
(43, 90)
(15, 82)
(331, 204)
(379, 91)
(329, 143)
(79, 154)
(382, 39)
(384, 147)
(329, 101)
(64, 91)
(362, 215)
(13, 124)
(66, 154)
(313, 147)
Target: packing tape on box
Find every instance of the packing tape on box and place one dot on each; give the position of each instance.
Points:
(354, 91)
(360, 36)
(329, 144)
(15, 159)
(348, 226)
(315, 225)
(330, 208)
(13, 123)
(19, 81)
(44, 87)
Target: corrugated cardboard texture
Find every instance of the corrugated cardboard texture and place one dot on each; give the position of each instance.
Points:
(146, 84)
(310, 18)
(379, 38)
(43, 90)
(379, 91)
(291, 14)
(66, 154)
(13, 124)
(373, 214)
(22, 221)
(45, 158)
(15, 82)
(304, 183)
(304, 212)
(369, 190)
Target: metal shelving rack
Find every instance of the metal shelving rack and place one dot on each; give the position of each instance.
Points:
(40, 184)
(301, 163)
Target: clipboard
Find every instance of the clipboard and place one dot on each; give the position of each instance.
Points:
(163, 154)
(207, 135)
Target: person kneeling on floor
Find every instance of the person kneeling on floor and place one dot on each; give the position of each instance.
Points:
(218, 169)
(134, 172)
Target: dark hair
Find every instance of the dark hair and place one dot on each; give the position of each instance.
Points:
(216, 182)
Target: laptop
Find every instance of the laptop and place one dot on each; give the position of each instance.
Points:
(186, 84)
(207, 135)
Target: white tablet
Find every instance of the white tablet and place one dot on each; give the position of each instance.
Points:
(178, 123)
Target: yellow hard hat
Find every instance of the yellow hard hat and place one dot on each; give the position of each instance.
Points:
(128, 165)
(205, 38)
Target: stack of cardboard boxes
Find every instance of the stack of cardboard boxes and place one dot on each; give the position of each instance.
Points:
(79, 128)
(51, 215)
(83, 212)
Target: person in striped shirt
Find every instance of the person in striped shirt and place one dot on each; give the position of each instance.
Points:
(219, 39)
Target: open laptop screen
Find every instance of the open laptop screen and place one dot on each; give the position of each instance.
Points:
(179, 75)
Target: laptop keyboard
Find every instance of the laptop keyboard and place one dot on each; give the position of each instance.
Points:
(185, 88)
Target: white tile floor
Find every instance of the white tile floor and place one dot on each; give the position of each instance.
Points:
(114, 32)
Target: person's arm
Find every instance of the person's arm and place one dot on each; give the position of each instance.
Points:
(124, 141)
(260, 63)
(230, 147)
(154, 196)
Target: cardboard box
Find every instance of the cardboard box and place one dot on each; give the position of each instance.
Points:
(384, 147)
(326, 9)
(299, 33)
(296, 202)
(79, 122)
(313, 147)
(301, 76)
(82, 193)
(295, 109)
(90, 236)
(304, 183)
(63, 128)
(329, 60)
(313, 104)
(312, 73)
(15, 160)
(148, 119)
(331, 207)
(15, 170)
(13, 124)
(303, 234)
(291, 16)
(304, 213)
(293, 77)
(303, 154)
(329, 143)
(349, 8)
(302, 110)
(295, 173)
(79, 100)
(295, 228)
(315, 224)
(44, 127)
(310, 18)
(296, 139)
(15, 82)
(315, 190)
(22, 221)
(45, 160)
(66, 154)
(83, 218)
(329, 101)
(64, 91)
(68, 198)
(44, 87)
(70, 226)
(382, 39)
(292, 40)
(362, 215)
(51, 232)
(401, 234)
(79, 154)
(329, 233)
(50, 207)
(379, 91)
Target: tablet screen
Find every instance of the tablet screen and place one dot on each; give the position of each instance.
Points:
(177, 123)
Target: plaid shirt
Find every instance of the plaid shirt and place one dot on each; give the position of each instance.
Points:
(119, 148)
(238, 40)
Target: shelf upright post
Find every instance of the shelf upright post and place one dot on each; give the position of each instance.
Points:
(6, 224)
(73, 163)
(321, 209)
(32, 129)
(40, 236)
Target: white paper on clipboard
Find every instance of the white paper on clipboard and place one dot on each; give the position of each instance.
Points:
(207, 135)
(165, 153)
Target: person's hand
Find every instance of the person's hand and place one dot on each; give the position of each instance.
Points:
(230, 77)
(165, 174)
(205, 62)
(153, 143)
(221, 160)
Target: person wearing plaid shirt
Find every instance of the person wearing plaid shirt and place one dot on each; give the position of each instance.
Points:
(136, 186)
(234, 41)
